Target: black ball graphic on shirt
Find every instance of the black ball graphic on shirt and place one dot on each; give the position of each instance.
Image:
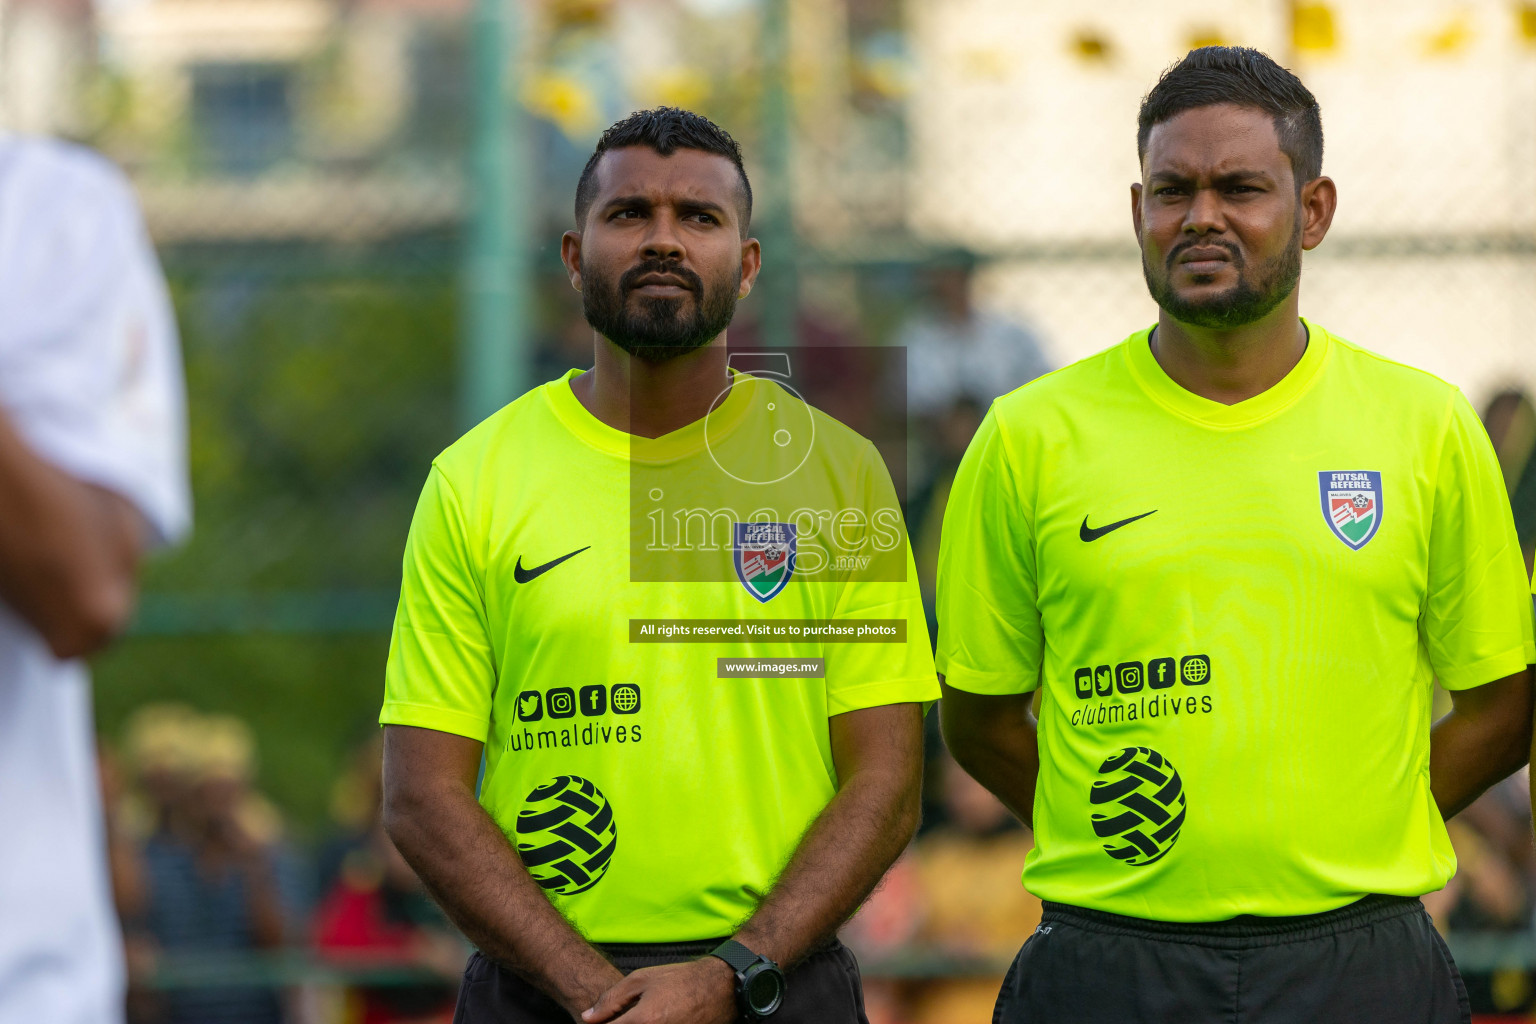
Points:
(566, 835)
(1139, 806)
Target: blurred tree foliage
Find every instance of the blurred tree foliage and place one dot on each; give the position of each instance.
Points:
(315, 408)
(311, 700)
(317, 400)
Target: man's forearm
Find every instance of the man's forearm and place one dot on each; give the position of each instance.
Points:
(995, 740)
(68, 550)
(469, 867)
(1009, 770)
(1485, 738)
(843, 856)
(1465, 760)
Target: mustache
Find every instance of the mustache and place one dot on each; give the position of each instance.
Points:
(693, 282)
(1182, 247)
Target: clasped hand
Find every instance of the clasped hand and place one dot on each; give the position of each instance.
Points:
(696, 992)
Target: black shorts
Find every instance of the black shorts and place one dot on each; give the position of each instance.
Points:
(1377, 960)
(823, 989)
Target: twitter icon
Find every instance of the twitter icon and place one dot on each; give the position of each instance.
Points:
(530, 706)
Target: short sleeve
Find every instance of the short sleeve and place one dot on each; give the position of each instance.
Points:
(1477, 621)
(440, 674)
(990, 639)
(866, 675)
(90, 365)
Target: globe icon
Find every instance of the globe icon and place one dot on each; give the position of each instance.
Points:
(626, 698)
(1195, 669)
(566, 835)
(1139, 806)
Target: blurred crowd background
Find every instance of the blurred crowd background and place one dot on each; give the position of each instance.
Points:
(358, 204)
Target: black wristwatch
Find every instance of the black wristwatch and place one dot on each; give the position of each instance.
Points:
(759, 982)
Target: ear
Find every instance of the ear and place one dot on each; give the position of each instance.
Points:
(570, 255)
(1319, 199)
(751, 263)
(1136, 210)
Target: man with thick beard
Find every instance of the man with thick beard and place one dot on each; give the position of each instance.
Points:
(659, 834)
(1233, 553)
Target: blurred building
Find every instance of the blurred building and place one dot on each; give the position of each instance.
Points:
(1023, 145)
(45, 50)
(285, 119)
(908, 127)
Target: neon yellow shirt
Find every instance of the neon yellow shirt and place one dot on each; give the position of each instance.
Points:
(1237, 614)
(654, 800)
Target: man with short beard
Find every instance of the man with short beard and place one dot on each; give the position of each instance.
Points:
(1234, 553)
(657, 837)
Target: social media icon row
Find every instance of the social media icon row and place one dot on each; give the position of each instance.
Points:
(592, 701)
(1130, 676)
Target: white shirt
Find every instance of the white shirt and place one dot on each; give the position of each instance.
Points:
(979, 359)
(90, 377)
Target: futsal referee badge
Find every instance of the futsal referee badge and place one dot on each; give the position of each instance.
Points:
(1351, 505)
(764, 557)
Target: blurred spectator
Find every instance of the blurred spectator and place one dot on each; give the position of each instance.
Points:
(956, 351)
(959, 358)
(212, 879)
(205, 882)
(354, 807)
(92, 474)
(970, 866)
(947, 439)
(158, 746)
(375, 910)
(1488, 893)
(122, 853)
(974, 904)
(883, 931)
(1494, 889)
(147, 800)
(1502, 816)
(1511, 423)
(955, 896)
(126, 867)
(378, 912)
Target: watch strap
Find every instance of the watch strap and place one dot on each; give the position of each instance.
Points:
(737, 955)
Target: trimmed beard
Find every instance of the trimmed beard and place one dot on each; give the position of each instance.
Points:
(659, 330)
(1240, 305)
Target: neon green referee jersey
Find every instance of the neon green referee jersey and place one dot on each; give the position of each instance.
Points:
(1236, 614)
(652, 799)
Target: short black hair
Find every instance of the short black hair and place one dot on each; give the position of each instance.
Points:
(665, 130)
(1248, 78)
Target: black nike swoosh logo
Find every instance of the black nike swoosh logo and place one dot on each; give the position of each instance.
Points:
(1091, 534)
(522, 575)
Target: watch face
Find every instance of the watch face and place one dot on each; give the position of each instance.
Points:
(764, 989)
